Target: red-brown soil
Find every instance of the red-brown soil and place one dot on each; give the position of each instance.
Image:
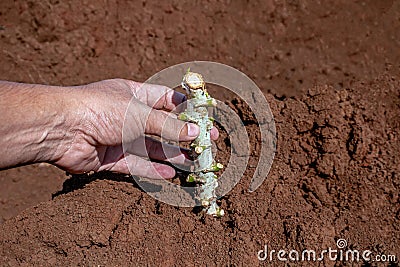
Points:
(330, 71)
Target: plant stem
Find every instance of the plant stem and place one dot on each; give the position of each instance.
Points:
(198, 102)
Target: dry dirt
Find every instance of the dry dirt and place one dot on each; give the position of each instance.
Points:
(330, 71)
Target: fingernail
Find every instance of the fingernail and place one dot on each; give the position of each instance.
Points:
(166, 172)
(193, 130)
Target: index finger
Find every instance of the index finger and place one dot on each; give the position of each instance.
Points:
(160, 97)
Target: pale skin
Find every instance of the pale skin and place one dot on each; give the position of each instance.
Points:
(79, 128)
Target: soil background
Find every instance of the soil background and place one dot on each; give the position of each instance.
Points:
(330, 71)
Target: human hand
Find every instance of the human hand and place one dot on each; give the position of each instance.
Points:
(96, 117)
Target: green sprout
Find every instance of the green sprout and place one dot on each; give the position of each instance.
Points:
(198, 101)
(183, 117)
(215, 167)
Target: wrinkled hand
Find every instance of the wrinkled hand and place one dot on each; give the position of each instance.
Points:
(98, 113)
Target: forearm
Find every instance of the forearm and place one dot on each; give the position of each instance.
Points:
(34, 123)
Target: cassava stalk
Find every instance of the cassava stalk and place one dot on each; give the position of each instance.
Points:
(196, 112)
